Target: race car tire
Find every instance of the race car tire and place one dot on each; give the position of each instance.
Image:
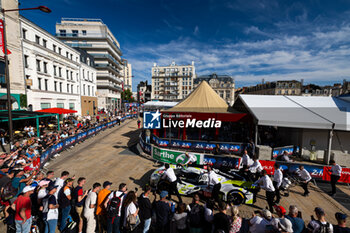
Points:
(163, 185)
(236, 197)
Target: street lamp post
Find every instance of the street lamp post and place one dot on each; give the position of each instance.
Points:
(7, 77)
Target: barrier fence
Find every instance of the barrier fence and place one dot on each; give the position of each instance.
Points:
(71, 141)
(318, 172)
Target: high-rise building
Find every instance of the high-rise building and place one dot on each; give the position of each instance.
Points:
(127, 75)
(224, 85)
(94, 36)
(51, 70)
(173, 82)
(15, 58)
(144, 92)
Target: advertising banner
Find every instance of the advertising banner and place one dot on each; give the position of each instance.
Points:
(2, 41)
(176, 157)
(279, 151)
(203, 146)
(268, 166)
(345, 174)
(231, 148)
(180, 144)
(222, 162)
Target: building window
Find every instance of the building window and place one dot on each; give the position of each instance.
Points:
(55, 85)
(26, 61)
(67, 87)
(75, 33)
(88, 90)
(60, 105)
(62, 32)
(24, 33)
(60, 87)
(54, 47)
(67, 54)
(44, 43)
(45, 105)
(45, 67)
(92, 91)
(60, 72)
(37, 39)
(46, 85)
(71, 57)
(54, 70)
(71, 89)
(60, 51)
(71, 106)
(37, 65)
(84, 89)
(84, 32)
(39, 83)
(71, 75)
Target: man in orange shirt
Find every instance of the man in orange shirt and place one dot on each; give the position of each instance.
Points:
(100, 209)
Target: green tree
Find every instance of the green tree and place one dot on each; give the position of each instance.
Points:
(23, 100)
(127, 95)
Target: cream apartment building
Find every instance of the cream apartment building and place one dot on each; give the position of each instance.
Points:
(173, 82)
(94, 37)
(127, 75)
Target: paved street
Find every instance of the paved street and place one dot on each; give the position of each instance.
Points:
(107, 157)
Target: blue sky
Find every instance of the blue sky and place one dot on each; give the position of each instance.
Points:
(248, 39)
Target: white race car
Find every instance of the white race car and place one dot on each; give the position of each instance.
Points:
(195, 180)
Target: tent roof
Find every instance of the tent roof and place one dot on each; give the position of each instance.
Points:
(203, 99)
(313, 112)
(22, 115)
(57, 110)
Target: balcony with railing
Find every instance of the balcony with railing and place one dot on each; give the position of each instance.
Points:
(108, 85)
(107, 56)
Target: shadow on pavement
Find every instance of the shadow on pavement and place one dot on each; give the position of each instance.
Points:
(144, 179)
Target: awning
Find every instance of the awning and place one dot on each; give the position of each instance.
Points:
(312, 112)
(57, 110)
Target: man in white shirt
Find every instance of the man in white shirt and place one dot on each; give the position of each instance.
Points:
(89, 210)
(277, 181)
(265, 183)
(315, 224)
(246, 160)
(305, 179)
(60, 182)
(213, 181)
(256, 168)
(335, 175)
(169, 175)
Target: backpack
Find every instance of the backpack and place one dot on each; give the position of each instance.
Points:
(324, 228)
(114, 205)
(8, 192)
(196, 215)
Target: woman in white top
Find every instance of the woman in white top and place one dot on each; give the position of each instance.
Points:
(129, 205)
(180, 218)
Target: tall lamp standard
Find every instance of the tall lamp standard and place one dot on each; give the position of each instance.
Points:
(7, 78)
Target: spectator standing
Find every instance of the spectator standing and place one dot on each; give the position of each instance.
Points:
(265, 183)
(209, 216)
(319, 224)
(79, 195)
(162, 210)
(89, 210)
(221, 220)
(131, 212)
(214, 184)
(169, 175)
(50, 210)
(341, 227)
(305, 179)
(64, 200)
(277, 181)
(335, 175)
(196, 215)
(50, 175)
(298, 224)
(113, 206)
(236, 220)
(23, 207)
(145, 209)
(100, 209)
(180, 218)
(138, 123)
(60, 181)
(258, 223)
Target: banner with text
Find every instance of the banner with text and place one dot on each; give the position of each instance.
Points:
(176, 157)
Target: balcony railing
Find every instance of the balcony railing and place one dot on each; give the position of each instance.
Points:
(107, 56)
(78, 45)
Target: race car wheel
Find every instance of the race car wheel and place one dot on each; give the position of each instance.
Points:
(163, 185)
(236, 198)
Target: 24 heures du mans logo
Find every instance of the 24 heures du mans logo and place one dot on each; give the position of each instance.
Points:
(153, 120)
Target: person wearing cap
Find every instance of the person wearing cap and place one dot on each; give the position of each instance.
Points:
(162, 210)
(305, 179)
(319, 224)
(64, 197)
(257, 224)
(89, 208)
(285, 226)
(169, 175)
(281, 212)
(42, 192)
(23, 207)
(50, 210)
(277, 181)
(100, 209)
(265, 183)
(335, 175)
(298, 224)
(341, 227)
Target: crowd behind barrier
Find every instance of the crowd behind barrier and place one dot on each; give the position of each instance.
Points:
(317, 172)
(71, 141)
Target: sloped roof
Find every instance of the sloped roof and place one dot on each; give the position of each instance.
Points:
(202, 99)
(312, 112)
